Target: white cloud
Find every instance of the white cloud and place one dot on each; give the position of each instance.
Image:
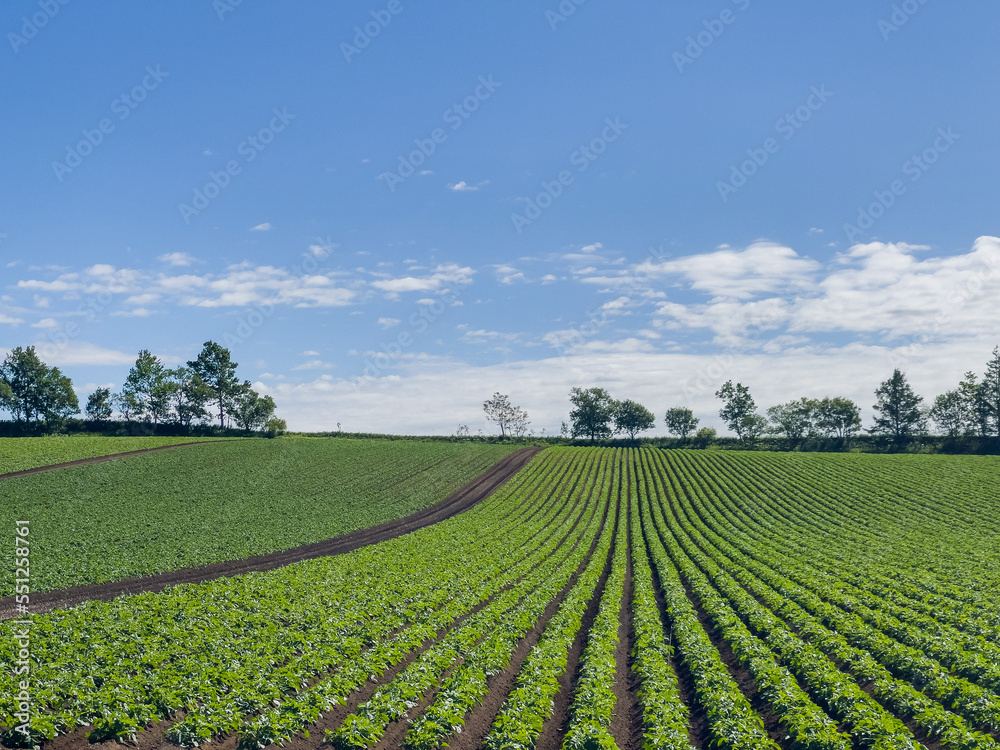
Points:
(507, 274)
(265, 227)
(8, 320)
(591, 248)
(176, 259)
(389, 322)
(462, 187)
(444, 275)
(310, 353)
(46, 323)
(315, 364)
(83, 354)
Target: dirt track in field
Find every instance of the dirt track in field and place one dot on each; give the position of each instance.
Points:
(459, 501)
(100, 459)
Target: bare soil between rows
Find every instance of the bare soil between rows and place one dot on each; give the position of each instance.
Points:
(459, 501)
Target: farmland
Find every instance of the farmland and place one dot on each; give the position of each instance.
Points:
(601, 598)
(225, 500)
(20, 454)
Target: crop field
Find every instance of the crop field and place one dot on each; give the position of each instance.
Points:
(20, 454)
(601, 598)
(224, 501)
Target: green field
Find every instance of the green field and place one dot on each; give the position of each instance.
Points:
(766, 601)
(223, 501)
(18, 454)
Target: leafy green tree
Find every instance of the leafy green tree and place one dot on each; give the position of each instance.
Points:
(632, 418)
(37, 392)
(276, 427)
(216, 369)
(24, 374)
(99, 405)
(592, 414)
(149, 387)
(794, 420)
(706, 436)
(991, 391)
(897, 409)
(837, 417)
(127, 404)
(977, 411)
(681, 421)
(739, 411)
(949, 413)
(253, 411)
(190, 397)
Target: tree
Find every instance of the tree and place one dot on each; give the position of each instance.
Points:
(593, 411)
(977, 411)
(190, 396)
(739, 411)
(276, 427)
(24, 374)
(35, 392)
(681, 421)
(949, 413)
(837, 417)
(148, 385)
(217, 371)
(794, 420)
(991, 391)
(706, 436)
(251, 410)
(632, 418)
(512, 420)
(99, 405)
(898, 412)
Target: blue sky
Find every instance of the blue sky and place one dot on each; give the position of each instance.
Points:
(389, 210)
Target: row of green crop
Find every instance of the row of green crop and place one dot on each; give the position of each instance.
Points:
(128, 662)
(520, 719)
(554, 563)
(808, 726)
(967, 655)
(865, 509)
(814, 592)
(665, 718)
(796, 525)
(785, 599)
(469, 684)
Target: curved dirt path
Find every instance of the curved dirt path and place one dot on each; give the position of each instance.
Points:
(461, 500)
(101, 459)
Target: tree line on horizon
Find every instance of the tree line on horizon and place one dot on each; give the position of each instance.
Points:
(972, 409)
(205, 389)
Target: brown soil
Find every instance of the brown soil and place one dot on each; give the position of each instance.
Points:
(554, 729)
(478, 724)
(463, 499)
(626, 726)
